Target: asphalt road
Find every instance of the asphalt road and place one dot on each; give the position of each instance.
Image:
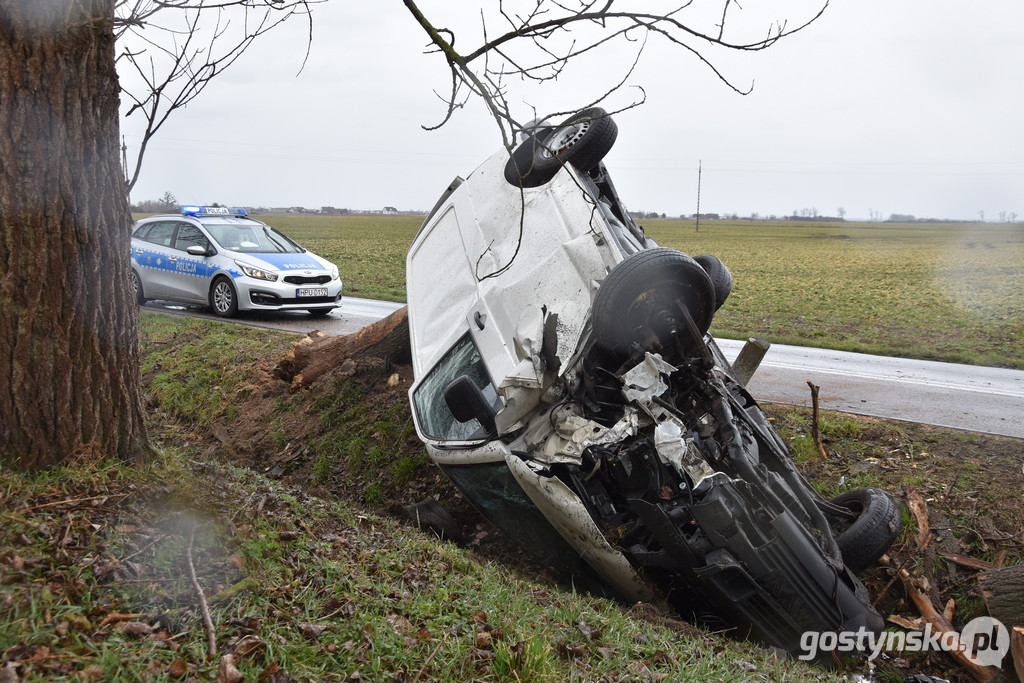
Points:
(946, 394)
(354, 315)
(962, 396)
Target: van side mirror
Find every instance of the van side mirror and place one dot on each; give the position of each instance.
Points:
(466, 401)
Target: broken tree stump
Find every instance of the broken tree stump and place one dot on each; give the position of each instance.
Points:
(1003, 591)
(386, 340)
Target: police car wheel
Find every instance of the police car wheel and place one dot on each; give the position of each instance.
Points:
(140, 296)
(223, 299)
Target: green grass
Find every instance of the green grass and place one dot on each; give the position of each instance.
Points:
(196, 370)
(96, 586)
(369, 250)
(323, 588)
(952, 292)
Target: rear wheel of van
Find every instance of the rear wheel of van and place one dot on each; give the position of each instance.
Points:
(582, 140)
(875, 528)
(645, 300)
(720, 276)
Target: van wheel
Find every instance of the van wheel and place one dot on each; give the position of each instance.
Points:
(720, 276)
(223, 298)
(140, 295)
(643, 299)
(868, 536)
(581, 140)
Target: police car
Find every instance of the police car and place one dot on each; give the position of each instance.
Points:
(222, 258)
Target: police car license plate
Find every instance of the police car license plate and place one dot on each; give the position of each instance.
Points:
(312, 291)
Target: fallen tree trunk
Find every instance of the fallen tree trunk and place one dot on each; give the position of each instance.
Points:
(1003, 591)
(386, 340)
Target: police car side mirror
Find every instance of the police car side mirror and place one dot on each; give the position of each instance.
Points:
(197, 250)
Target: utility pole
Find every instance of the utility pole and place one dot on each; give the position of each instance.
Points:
(698, 194)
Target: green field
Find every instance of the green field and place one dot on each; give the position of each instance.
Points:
(952, 292)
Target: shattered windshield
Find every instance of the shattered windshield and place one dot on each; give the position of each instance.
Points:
(435, 418)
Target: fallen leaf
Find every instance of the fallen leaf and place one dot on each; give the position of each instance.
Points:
(246, 645)
(586, 630)
(134, 628)
(312, 630)
(227, 672)
(93, 672)
(273, 674)
(177, 668)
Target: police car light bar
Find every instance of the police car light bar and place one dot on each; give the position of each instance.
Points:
(191, 210)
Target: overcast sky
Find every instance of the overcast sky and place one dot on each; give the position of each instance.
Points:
(880, 107)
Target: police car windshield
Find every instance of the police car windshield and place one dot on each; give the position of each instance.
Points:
(252, 239)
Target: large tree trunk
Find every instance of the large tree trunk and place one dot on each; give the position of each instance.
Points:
(69, 377)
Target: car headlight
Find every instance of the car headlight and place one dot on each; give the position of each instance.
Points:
(257, 273)
(334, 272)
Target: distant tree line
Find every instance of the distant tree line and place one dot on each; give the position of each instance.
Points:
(166, 204)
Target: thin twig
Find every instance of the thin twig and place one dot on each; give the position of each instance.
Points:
(423, 668)
(71, 501)
(211, 636)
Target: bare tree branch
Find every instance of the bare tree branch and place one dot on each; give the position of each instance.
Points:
(541, 39)
(177, 47)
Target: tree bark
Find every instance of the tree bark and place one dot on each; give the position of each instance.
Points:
(1003, 591)
(69, 356)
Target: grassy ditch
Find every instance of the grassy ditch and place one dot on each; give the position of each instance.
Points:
(102, 566)
(282, 505)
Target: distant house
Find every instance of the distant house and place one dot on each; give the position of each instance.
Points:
(390, 210)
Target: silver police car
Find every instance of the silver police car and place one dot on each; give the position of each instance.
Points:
(220, 257)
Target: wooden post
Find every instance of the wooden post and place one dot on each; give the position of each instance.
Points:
(814, 420)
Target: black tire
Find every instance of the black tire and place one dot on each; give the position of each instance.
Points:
(318, 312)
(642, 300)
(582, 140)
(223, 297)
(140, 295)
(878, 523)
(720, 276)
